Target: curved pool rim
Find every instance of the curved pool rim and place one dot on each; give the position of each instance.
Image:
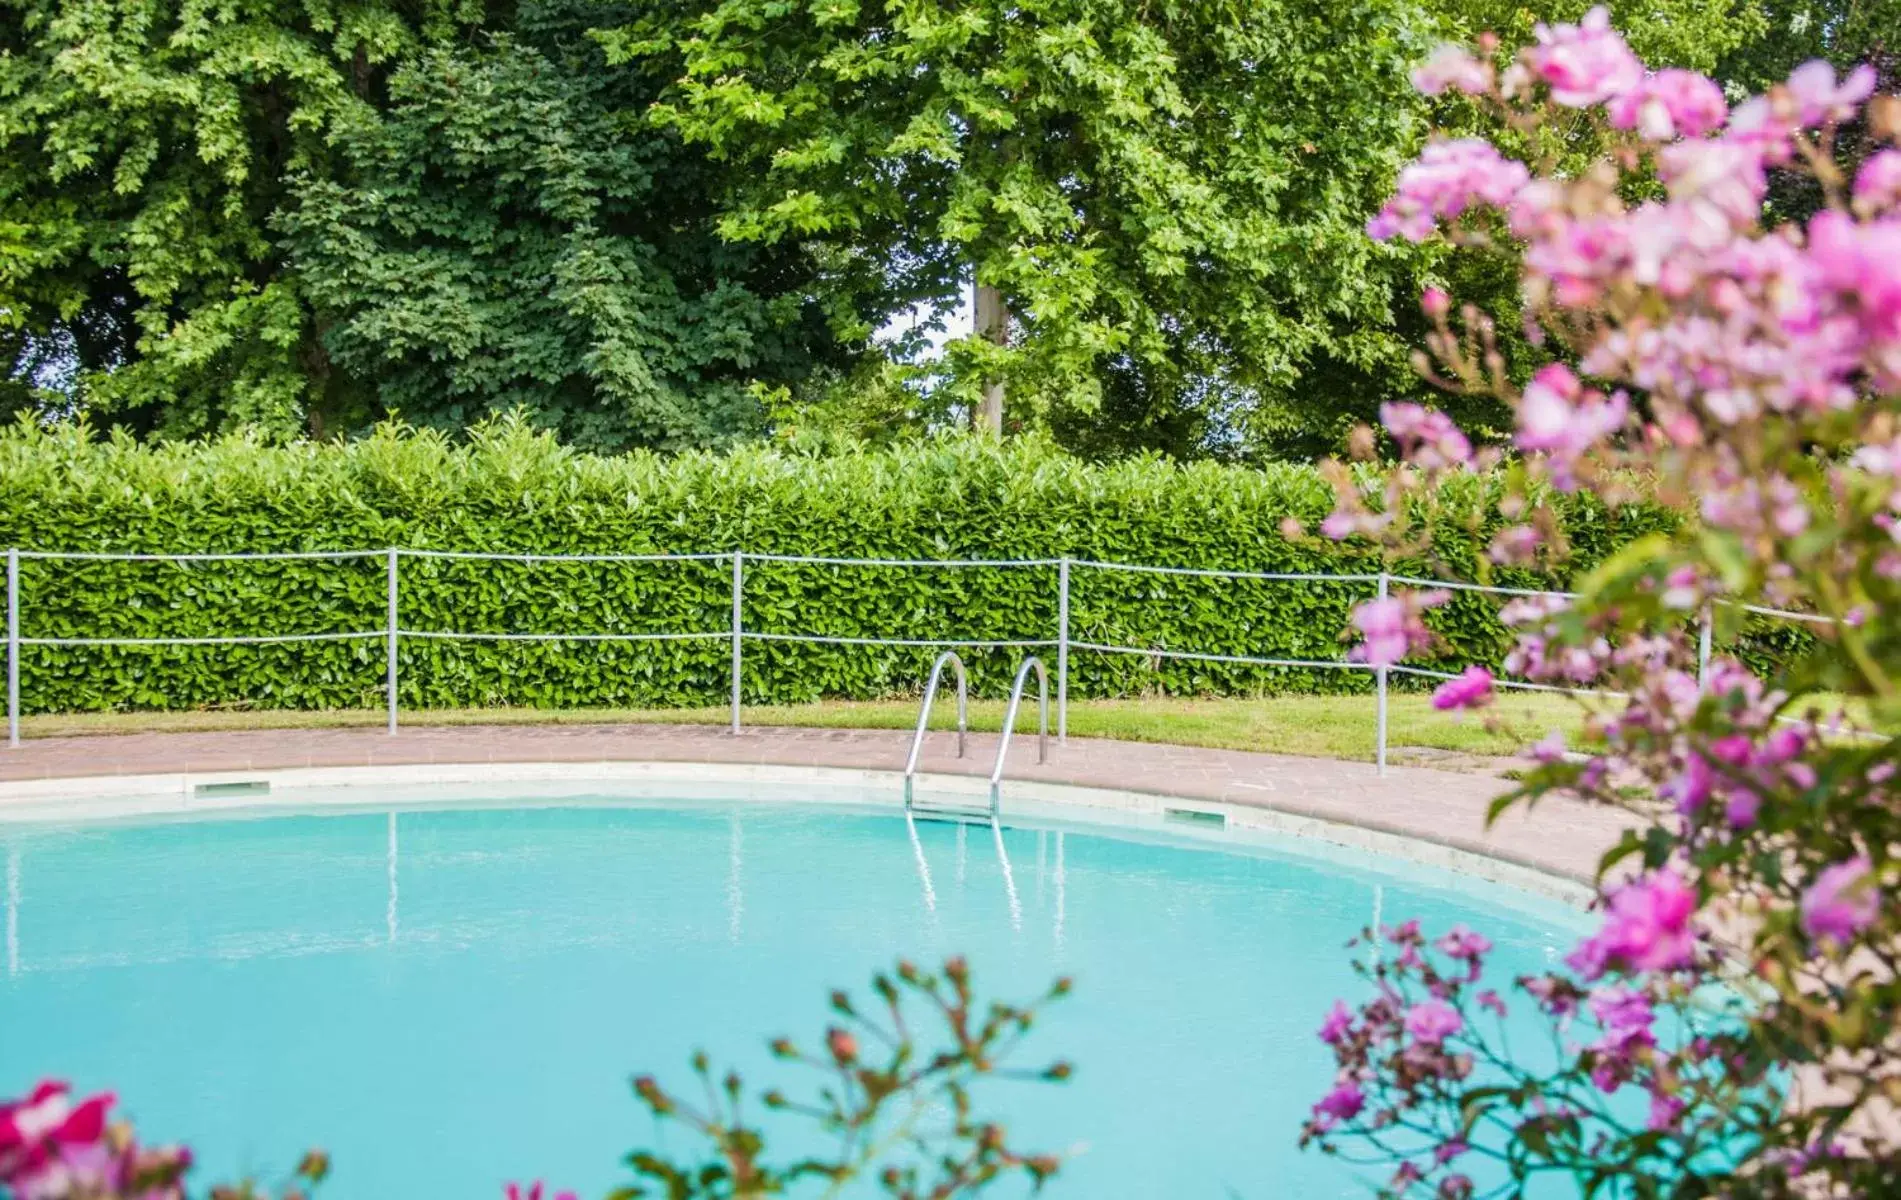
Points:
(282, 790)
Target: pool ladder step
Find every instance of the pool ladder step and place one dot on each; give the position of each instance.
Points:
(949, 809)
(950, 658)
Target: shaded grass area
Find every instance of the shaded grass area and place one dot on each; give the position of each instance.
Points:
(1321, 726)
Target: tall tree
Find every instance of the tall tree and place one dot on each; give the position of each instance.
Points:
(297, 214)
(144, 145)
(503, 236)
(1163, 192)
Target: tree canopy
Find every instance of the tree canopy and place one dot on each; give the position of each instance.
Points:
(683, 222)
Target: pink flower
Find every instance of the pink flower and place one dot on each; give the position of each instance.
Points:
(515, 1191)
(1382, 623)
(1435, 303)
(1690, 790)
(1431, 1022)
(1818, 98)
(1427, 438)
(1721, 179)
(1626, 1016)
(1343, 1103)
(1585, 64)
(1452, 67)
(1338, 1024)
(1391, 628)
(1448, 178)
(1862, 262)
(1878, 183)
(1664, 1111)
(1841, 902)
(1559, 416)
(51, 1147)
(1670, 104)
(1741, 808)
(1547, 749)
(1472, 689)
(1460, 942)
(1646, 928)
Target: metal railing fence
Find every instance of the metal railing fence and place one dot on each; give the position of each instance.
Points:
(392, 633)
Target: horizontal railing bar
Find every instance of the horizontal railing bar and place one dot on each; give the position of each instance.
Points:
(1823, 727)
(255, 556)
(1335, 663)
(1785, 614)
(822, 639)
(1426, 673)
(1210, 573)
(823, 561)
(443, 635)
(258, 640)
(1453, 585)
(486, 556)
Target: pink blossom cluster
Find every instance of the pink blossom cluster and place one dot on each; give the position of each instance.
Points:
(1627, 1019)
(1648, 926)
(1449, 178)
(1561, 417)
(1452, 68)
(1844, 901)
(1744, 369)
(1540, 652)
(1739, 753)
(52, 1148)
(1403, 1052)
(1584, 64)
(1427, 438)
(1396, 1050)
(1670, 104)
(1392, 627)
(1758, 322)
(1472, 688)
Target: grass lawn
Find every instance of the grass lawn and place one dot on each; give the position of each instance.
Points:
(1323, 726)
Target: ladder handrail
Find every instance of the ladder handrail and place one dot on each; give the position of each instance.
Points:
(1010, 721)
(924, 715)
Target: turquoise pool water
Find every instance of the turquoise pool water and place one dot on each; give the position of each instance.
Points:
(448, 998)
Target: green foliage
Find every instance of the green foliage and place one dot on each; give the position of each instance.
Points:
(506, 235)
(143, 146)
(294, 217)
(680, 224)
(510, 490)
(1169, 195)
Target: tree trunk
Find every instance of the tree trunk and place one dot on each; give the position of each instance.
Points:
(993, 322)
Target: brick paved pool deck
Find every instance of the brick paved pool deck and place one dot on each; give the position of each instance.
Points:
(1563, 838)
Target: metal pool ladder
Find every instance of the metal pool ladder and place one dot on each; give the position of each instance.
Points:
(963, 724)
(1010, 721)
(924, 717)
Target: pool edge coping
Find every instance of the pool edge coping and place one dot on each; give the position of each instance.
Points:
(83, 798)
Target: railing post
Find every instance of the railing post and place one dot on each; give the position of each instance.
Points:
(13, 647)
(1703, 638)
(1062, 651)
(739, 584)
(389, 654)
(1379, 735)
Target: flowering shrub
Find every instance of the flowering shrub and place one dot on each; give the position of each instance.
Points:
(900, 1115)
(54, 1149)
(896, 1116)
(1731, 1027)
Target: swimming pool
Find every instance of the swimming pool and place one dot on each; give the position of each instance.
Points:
(450, 995)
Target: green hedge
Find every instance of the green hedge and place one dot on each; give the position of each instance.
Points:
(512, 491)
